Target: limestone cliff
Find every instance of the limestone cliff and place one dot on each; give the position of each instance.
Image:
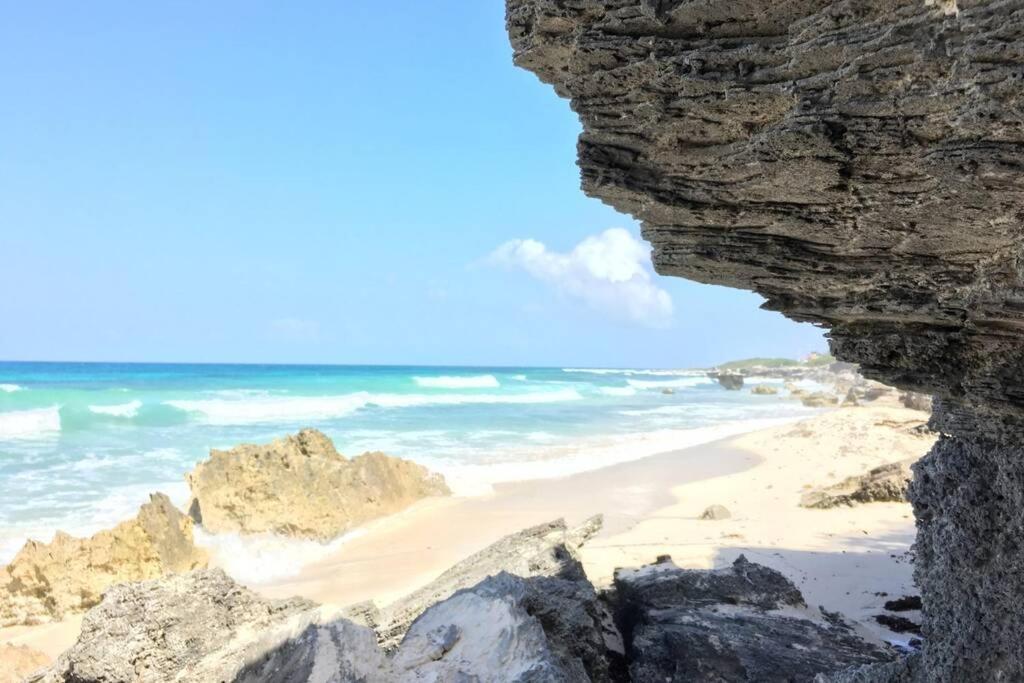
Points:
(301, 486)
(858, 163)
(46, 581)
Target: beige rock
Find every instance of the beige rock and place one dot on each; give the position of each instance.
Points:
(885, 484)
(301, 486)
(819, 400)
(764, 390)
(18, 661)
(46, 581)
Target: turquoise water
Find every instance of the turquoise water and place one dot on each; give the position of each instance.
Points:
(82, 444)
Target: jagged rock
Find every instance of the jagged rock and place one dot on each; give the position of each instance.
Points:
(854, 164)
(745, 623)
(202, 627)
(544, 550)
(506, 629)
(733, 381)
(18, 661)
(885, 484)
(905, 604)
(301, 486)
(715, 512)
(819, 400)
(46, 581)
(916, 401)
(764, 390)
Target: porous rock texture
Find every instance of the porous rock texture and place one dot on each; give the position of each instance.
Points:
(301, 486)
(744, 623)
(884, 484)
(46, 581)
(857, 163)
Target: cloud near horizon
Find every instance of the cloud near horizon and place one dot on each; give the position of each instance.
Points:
(610, 272)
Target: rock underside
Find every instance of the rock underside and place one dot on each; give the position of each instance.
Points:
(47, 581)
(301, 486)
(859, 164)
(744, 623)
(884, 484)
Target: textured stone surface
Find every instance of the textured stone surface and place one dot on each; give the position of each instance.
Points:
(858, 163)
(202, 627)
(44, 582)
(885, 484)
(543, 550)
(18, 661)
(745, 623)
(301, 486)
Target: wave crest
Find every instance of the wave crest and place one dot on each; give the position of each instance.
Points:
(40, 423)
(11, 388)
(313, 408)
(130, 409)
(682, 382)
(458, 382)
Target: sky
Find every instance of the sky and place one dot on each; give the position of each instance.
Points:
(319, 182)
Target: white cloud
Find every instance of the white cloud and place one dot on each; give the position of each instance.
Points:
(609, 272)
(295, 329)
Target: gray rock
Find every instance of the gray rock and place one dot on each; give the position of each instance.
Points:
(544, 550)
(885, 484)
(916, 401)
(733, 381)
(716, 512)
(202, 627)
(854, 164)
(746, 623)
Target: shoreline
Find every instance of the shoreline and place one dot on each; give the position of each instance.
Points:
(841, 559)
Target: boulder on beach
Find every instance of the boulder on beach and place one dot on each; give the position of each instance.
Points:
(715, 512)
(18, 661)
(46, 581)
(885, 484)
(301, 486)
(764, 390)
(725, 625)
(819, 400)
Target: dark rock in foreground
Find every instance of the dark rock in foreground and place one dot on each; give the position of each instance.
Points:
(733, 381)
(746, 623)
(885, 484)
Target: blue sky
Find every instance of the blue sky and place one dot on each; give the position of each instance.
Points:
(336, 182)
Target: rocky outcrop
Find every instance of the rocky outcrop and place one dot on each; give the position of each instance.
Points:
(745, 623)
(857, 164)
(18, 661)
(733, 381)
(546, 550)
(46, 581)
(885, 484)
(301, 486)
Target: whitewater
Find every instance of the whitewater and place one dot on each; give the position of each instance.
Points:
(82, 445)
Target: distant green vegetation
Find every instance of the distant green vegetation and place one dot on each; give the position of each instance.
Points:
(746, 363)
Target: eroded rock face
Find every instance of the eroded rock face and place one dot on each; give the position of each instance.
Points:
(857, 163)
(884, 484)
(545, 550)
(301, 486)
(45, 582)
(742, 624)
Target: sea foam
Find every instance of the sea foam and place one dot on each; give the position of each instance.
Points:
(10, 388)
(40, 423)
(682, 382)
(130, 409)
(618, 391)
(279, 409)
(458, 382)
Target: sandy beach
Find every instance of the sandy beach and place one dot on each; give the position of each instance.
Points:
(847, 559)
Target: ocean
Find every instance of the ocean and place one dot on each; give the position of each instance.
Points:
(83, 444)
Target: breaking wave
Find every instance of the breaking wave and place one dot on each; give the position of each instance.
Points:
(279, 409)
(10, 388)
(456, 382)
(40, 423)
(618, 391)
(682, 382)
(130, 409)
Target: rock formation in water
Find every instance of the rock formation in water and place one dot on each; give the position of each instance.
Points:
(18, 661)
(301, 486)
(859, 165)
(736, 625)
(46, 581)
(884, 484)
(733, 381)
